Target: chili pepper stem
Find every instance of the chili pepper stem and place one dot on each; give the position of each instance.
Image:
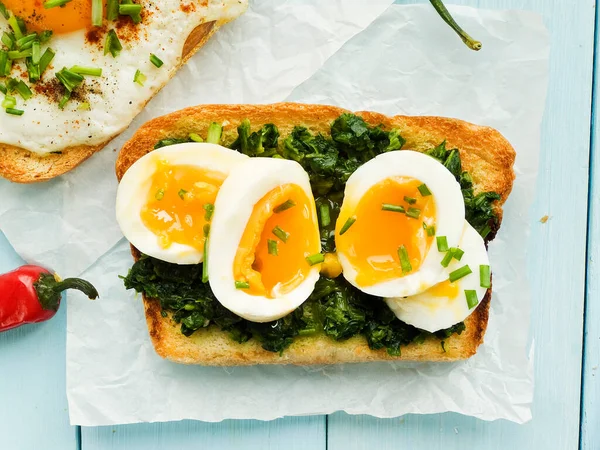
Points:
(49, 288)
(79, 284)
(445, 14)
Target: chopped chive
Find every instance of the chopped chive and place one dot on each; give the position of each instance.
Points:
(458, 253)
(430, 231)
(45, 60)
(69, 80)
(8, 40)
(182, 193)
(139, 78)
(424, 190)
(54, 3)
(214, 133)
(92, 71)
(19, 54)
(4, 11)
(242, 285)
(348, 224)
(3, 89)
(284, 206)
(159, 194)
(112, 44)
(14, 24)
(324, 213)
(131, 10)
(3, 61)
(33, 70)
(155, 60)
(26, 41)
(272, 247)
(9, 102)
(410, 200)
(112, 9)
(281, 234)
(63, 101)
(471, 295)
(23, 90)
(210, 209)
(206, 230)
(393, 208)
(485, 279)
(459, 273)
(45, 36)
(442, 243)
(404, 261)
(447, 258)
(196, 137)
(36, 53)
(14, 112)
(413, 212)
(315, 259)
(97, 7)
(85, 106)
(11, 84)
(485, 231)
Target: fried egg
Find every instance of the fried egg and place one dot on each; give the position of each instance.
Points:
(448, 303)
(167, 197)
(395, 208)
(101, 106)
(264, 246)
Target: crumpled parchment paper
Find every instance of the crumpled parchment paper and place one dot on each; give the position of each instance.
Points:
(407, 62)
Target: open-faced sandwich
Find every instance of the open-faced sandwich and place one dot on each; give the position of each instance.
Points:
(306, 234)
(74, 73)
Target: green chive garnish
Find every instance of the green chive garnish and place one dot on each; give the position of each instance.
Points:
(45, 60)
(16, 28)
(63, 101)
(315, 259)
(14, 112)
(404, 261)
(214, 133)
(92, 71)
(159, 194)
(85, 106)
(410, 200)
(459, 273)
(272, 247)
(206, 230)
(485, 279)
(472, 301)
(196, 137)
(9, 102)
(324, 213)
(70, 80)
(281, 234)
(4, 11)
(284, 206)
(112, 44)
(424, 190)
(54, 3)
(131, 10)
(112, 9)
(393, 208)
(19, 54)
(348, 224)
(442, 243)
(430, 231)
(182, 193)
(8, 40)
(97, 7)
(139, 78)
(485, 231)
(26, 41)
(155, 60)
(45, 36)
(23, 90)
(447, 257)
(242, 285)
(3, 89)
(413, 212)
(210, 209)
(458, 253)
(36, 53)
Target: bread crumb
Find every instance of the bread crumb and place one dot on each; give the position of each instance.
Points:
(544, 219)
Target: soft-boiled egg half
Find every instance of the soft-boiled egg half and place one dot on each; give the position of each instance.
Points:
(455, 298)
(395, 207)
(167, 197)
(264, 247)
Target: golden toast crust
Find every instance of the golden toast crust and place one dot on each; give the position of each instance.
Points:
(485, 154)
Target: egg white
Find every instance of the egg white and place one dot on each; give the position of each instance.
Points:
(246, 185)
(114, 98)
(450, 215)
(135, 185)
(432, 313)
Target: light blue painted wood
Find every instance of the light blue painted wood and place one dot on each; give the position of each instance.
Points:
(558, 281)
(590, 417)
(33, 402)
(294, 433)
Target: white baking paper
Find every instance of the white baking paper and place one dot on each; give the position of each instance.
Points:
(404, 62)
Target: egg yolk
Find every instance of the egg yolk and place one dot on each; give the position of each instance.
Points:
(74, 15)
(271, 255)
(180, 202)
(372, 242)
(444, 289)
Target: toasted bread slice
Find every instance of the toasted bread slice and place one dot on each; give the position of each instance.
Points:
(484, 152)
(23, 166)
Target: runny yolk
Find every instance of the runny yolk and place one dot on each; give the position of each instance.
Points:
(444, 289)
(74, 15)
(177, 204)
(371, 243)
(267, 273)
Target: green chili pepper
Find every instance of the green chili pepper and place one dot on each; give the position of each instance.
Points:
(445, 14)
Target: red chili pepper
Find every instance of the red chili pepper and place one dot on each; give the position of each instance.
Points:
(32, 294)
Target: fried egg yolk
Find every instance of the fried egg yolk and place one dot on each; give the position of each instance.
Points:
(180, 202)
(74, 15)
(373, 241)
(271, 256)
(444, 289)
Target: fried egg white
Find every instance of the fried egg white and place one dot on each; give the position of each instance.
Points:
(445, 304)
(167, 197)
(113, 98)
(264, 227)
(394, 208)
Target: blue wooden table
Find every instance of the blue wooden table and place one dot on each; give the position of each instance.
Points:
(565, 318)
